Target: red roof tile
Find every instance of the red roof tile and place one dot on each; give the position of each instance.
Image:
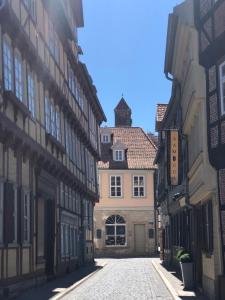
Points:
(161, 110)
(140, 153)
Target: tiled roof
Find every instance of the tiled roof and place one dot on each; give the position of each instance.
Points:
(140, 153)
(154, 138)
(161, 110)
(122, 105)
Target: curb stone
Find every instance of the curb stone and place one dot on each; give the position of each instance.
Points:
(166, 281)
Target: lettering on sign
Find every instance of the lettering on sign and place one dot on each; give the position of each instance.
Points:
(174, 157)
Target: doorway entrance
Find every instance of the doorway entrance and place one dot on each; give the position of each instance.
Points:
(139, 239)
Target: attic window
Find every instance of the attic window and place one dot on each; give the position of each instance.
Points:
(106, 138)
(119, 155)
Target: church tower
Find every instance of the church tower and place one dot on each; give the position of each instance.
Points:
(123, 114)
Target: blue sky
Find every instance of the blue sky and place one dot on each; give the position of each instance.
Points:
(124, 48)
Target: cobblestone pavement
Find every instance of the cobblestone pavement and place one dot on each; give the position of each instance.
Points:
(123, 279)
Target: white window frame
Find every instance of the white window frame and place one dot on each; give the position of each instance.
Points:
(18, 73)
(119, 155)
(116, 186)
(115, 225)
(105, 139)
(26, 217)
(1, 210)
(31, 92)
(7, 64)
(222, 81)
(138, 186)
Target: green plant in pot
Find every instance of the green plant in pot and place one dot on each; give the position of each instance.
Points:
(186, 264)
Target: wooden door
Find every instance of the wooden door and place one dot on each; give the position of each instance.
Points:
(49, 236)
(139, 238)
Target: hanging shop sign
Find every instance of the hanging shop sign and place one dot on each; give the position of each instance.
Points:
(174, 157)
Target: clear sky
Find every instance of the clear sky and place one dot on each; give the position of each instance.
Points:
(124, 48)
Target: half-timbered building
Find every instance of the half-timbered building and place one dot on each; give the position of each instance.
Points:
(187, 184)
(209, 17)
(49, 142)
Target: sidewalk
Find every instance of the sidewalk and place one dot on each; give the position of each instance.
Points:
(58, 287)
(174, 285)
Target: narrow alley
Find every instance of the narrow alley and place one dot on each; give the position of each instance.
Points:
(123, 279)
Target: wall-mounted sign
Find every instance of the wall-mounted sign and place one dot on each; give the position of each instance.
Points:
(174, 157)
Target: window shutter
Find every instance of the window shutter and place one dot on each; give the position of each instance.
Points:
(99, 233)
(151, 233)
(20, 215)
(210, 214)
(8, 213)
(31, 222)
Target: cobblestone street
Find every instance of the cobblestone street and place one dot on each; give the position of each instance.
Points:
(123, 279)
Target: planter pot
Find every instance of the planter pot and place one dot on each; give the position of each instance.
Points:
(187, 274)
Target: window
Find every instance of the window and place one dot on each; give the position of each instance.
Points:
(115, 228)
(119, 155)
(138, 186)
(57, 116)
(93, 128)
(72, 80)
(7, 61)
(98, 234)
(207, 218)
(222, 87)
(10, 210)
(53, 41)
(47, 115)
(115, 186)
(26, 217)
(31, 93)
(105, 139)
(69, 238)
(1, 210)
(53, 120)
(18, 77)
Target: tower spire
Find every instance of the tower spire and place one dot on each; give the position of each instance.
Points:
(123, 114)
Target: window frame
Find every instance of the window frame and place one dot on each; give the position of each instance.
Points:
(139, 186)
(18, 75)
(222, 94)
(116, 186)
(26, 217)
(119, 155)
(31, 92)
(115, 235)
(7, 64)
(105, 139)
(58, 125)
(47, 114)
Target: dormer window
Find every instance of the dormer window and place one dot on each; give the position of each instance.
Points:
(119, 155)
(106, 138)
(119, 149)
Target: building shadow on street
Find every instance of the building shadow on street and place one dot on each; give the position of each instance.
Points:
(58, 284)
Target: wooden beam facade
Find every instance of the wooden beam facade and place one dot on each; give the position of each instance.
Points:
(49, 126)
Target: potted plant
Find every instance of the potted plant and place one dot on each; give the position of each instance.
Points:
(186, 265)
